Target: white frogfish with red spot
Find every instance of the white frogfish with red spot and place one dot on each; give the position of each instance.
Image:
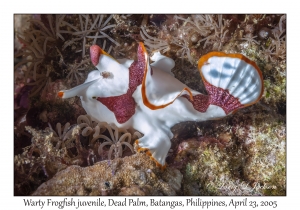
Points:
(147, 97)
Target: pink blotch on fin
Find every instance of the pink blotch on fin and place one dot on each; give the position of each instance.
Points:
(123, 106)
(222, 98)
(200, 102)
(137, 70)
(95, 52)
(216, 96)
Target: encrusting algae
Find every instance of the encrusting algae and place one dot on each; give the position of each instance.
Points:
(56, 144)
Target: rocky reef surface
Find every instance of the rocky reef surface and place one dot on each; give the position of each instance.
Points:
(56, 144)
(132, 175)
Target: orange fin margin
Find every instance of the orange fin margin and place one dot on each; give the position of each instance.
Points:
(147, 152)
(144, 95)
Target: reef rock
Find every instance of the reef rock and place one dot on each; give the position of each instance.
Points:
(241, 155)
(133, 175)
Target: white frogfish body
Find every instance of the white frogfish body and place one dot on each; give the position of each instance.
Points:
(148, 98)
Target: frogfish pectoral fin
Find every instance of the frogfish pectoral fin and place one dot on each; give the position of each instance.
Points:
(156, 146)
